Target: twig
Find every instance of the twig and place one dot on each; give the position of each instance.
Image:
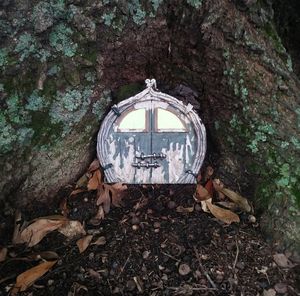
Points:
(203, 270)
(236, 255)
(123, 267)
(191, 288)
(170, 256)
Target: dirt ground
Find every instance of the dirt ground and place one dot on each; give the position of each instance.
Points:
(153, 247)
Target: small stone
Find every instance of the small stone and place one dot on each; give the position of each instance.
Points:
(50, 282)
(86, 199)
(135, 227)
(282, 261)
(252, 219)
(146, 254)
(270, 292)
(171, 205)
(156, 230)
(91, 256)
(281, 288)
(160, 267)
(163, 245)
(164, 277)
(130, 285)
(156, 225)
(184, 269)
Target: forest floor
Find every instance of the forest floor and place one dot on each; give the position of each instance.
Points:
(154, 245)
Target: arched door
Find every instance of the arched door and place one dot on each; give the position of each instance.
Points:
(151, 138)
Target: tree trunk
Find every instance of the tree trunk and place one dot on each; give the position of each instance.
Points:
(64, 64)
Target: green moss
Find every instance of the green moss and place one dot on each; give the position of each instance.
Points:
(127, 91)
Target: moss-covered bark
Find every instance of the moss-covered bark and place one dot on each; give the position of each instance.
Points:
(61, 65)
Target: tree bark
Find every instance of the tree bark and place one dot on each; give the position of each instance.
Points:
(68, 62)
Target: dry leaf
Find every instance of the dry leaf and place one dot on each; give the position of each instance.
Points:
(117, 191)
(103, 197)
(100, 241)
(37, 230)
(204, 205)
(95, 165)
(84, 242)
(3, 253)
(228, 204)
(218, 185)
(72, 229)
(94, 181)
(208, 173)
(16, 239)
(27, 278)
(238, 199)
(224, 215)
(209, 187)
(181, 209)
(202, 193)
(82, 182)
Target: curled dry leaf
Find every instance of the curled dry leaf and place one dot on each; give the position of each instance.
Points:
(228, 204)
(100, 241)
(95, 165)
(27, 278)
(95, 181)
(46, 255)
(16, 239)
(82, 181)
(117, 192)
(84, 242)
(72, 229)
(238, 199)
(218, 185)
(37, 230)
(209, 187)
(76, 191)
(202, 193)
(181, 209)
(226, 216)
(3, 253)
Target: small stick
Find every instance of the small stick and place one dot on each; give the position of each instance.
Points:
(123, 267)
(191, 288)
(203, 270)
(170, 256)
(236, 255)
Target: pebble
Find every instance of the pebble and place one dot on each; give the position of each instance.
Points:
(50, 282)
(184, 269)
(86, 199)
(164, 277)
(270, 292)
(156, 230)
(135, 227)
(198, 208)
(130, 285)
(146, 254)
(281, 288)
(252, 219)
(91, 256)
(240, 265)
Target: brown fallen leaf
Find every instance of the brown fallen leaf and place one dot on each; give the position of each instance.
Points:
(72, 229)
(3, 253)
(94, 181)
(84, 242)
(100, 241)
(202, 193)
(238, 199)
(16, 239)
(181, 209)
(27, 278)
(104, 197)
(226, 216)
(218, 185)
(95, 165)
(99, 216)
(37, 230)
(82, 181)
(117, 192)
(209, 187)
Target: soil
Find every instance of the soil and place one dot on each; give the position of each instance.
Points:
(151, 249)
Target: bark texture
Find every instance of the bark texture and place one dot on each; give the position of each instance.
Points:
(65, 62)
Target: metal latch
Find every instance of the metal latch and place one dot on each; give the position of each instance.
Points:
(142, 156)
(146, 165)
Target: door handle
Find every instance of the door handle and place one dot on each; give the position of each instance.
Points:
(146, 165)
(154, 155)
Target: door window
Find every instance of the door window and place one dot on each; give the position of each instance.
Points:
(167, 121)
(132, 121)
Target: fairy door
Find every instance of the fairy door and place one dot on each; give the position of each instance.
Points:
(151, 138)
